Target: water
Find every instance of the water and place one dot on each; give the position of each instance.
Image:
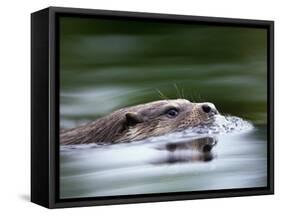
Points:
(228, 154)
(107, 65)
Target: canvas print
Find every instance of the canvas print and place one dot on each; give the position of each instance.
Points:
(150, 107)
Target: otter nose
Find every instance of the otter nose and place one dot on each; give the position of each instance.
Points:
(206, 108)
(209, 108)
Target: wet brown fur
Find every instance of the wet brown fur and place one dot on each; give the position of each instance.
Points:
(137, 122)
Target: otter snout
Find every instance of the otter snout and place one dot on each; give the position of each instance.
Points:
(209, 108)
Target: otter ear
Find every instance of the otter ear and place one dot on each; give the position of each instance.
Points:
(133, 118)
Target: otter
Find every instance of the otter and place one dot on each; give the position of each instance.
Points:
(141, 121)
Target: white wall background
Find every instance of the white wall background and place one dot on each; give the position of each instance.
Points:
(15, 106)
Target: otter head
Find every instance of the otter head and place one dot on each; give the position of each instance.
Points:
(164, 116)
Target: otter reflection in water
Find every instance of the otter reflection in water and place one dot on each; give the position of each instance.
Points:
(141, 122)
(195, 150)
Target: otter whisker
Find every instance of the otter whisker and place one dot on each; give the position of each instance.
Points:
(177, 89)
(203, 98)
(191, 97)
(199, 97)
(182, 92)
(162, 96)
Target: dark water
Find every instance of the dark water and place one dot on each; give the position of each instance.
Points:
(106, 65)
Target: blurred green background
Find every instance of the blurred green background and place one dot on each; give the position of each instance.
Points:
(109, 64)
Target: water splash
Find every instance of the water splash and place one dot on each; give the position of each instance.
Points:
(224, 124)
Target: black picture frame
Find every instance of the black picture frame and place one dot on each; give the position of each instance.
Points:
(45, 108)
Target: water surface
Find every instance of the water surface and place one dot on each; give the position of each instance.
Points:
(226, 156)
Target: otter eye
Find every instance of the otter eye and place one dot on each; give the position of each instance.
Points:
(172, 112)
